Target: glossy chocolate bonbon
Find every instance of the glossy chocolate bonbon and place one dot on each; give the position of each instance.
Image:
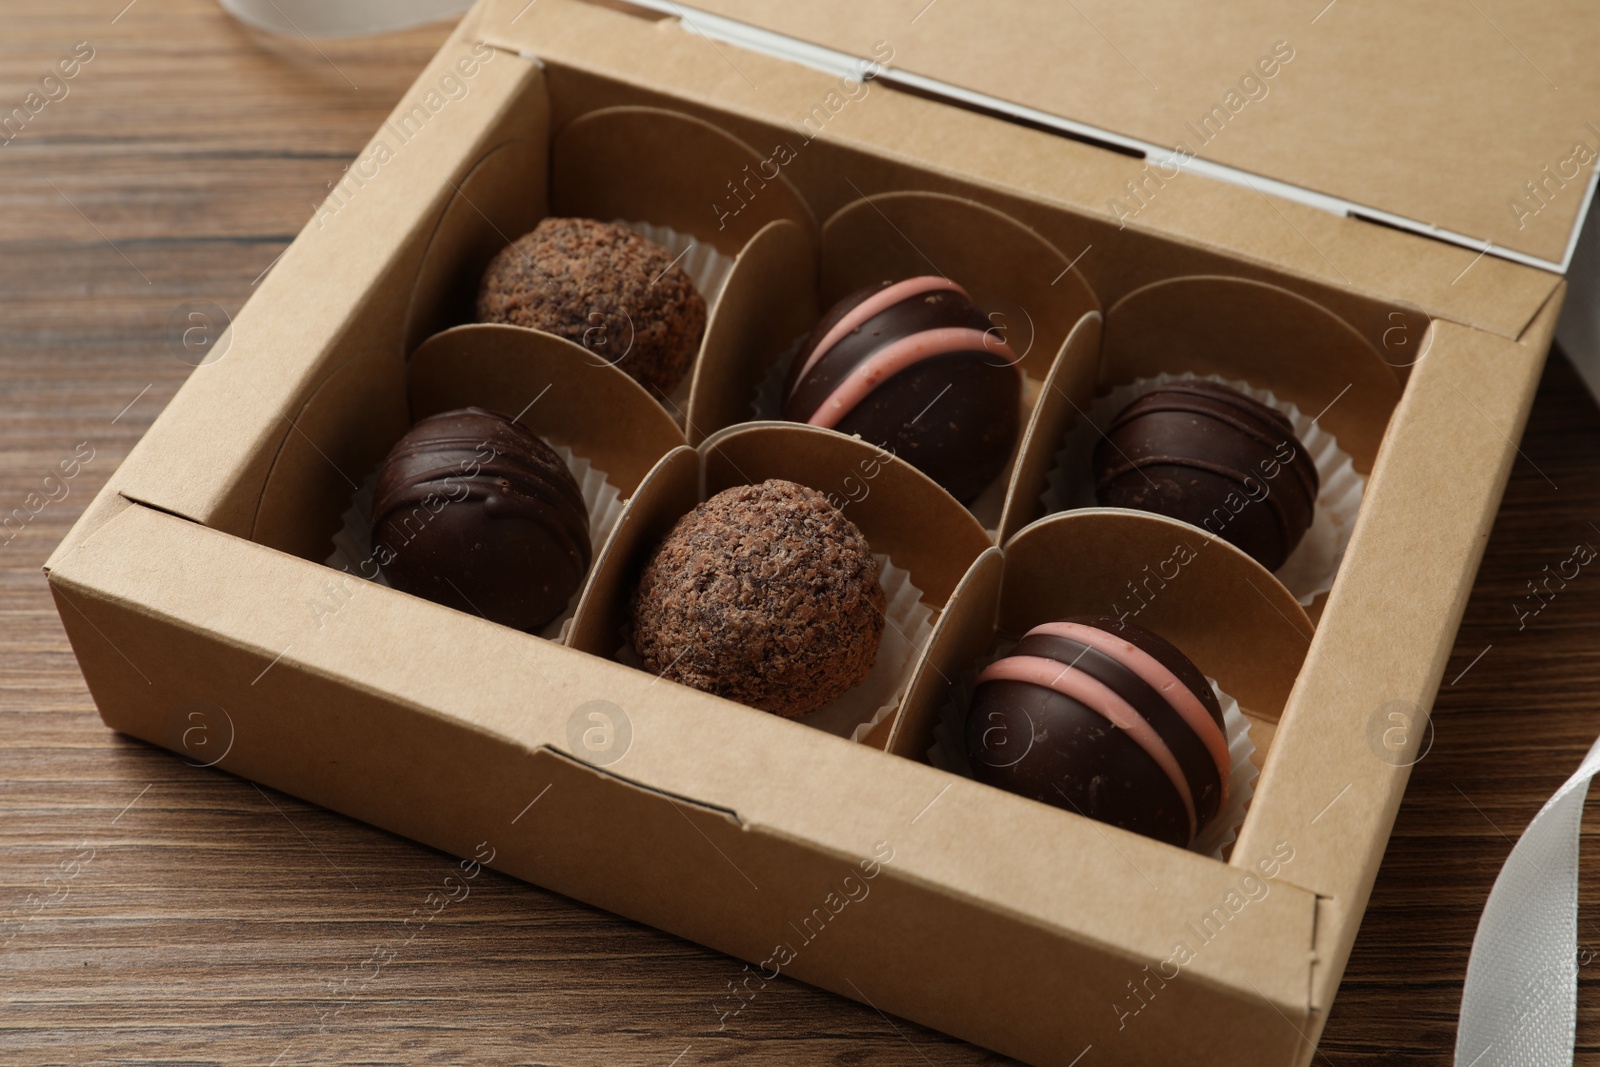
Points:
(1208, 455)
(917, 368)
(1105, 719)
(473, 511)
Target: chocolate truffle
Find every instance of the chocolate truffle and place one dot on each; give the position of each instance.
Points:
(914, 367)
(764, 594)
(474, 512)
(1105, 719)
(1214, 458)
(614, 291)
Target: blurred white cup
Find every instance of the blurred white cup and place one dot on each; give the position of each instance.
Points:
(341, 18)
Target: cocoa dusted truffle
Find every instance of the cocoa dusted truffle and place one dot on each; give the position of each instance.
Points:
(764, 594)
(1210, 456)
(474, 512)
(914, 367)
(616, 292)
(1107, 720)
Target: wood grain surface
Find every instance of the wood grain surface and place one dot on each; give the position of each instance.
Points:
(156, 913)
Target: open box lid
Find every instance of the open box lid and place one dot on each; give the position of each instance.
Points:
(1479, 127)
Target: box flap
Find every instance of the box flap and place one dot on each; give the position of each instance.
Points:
(889, 141)
(1477, 128)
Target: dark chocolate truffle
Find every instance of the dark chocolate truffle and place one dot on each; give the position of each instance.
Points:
(917, 368)
(614, 291)
(1214, 458)
(764, 594)
(474, 512)
(1105, 719)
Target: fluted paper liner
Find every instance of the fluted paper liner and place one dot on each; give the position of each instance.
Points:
(949, 752)
(1311, 567)
(924, 539)
(708, 269)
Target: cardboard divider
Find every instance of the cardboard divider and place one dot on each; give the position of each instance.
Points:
(564, 393)
(964, 632)
(669, 490)
(673, 170)
(900, 511)
(500, 199)
(769, 300)
(1220, 607)
(1267, 336)
(1065, 397)
(1032, 292)
(342, 431)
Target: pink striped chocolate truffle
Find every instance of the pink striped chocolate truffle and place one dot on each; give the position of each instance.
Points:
(1105, 719)
(917, 368)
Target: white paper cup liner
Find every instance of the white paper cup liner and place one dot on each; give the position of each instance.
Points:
(908, 625)
(707, 268)
(1310, 569)
(352, 544)
(949, 752)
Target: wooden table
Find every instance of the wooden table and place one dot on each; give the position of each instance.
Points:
(155, 913)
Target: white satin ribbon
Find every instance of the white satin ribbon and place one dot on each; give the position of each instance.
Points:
(340, 18)
(1519, 1007)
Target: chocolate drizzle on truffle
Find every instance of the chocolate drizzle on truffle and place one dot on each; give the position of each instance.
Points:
(1210, 456)
(917, 368)
(1105, 719)
(474, 512)
(765, 594)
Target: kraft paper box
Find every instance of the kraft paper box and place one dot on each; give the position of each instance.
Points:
(194, 589)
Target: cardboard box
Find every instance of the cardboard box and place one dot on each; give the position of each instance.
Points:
(195, 598)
